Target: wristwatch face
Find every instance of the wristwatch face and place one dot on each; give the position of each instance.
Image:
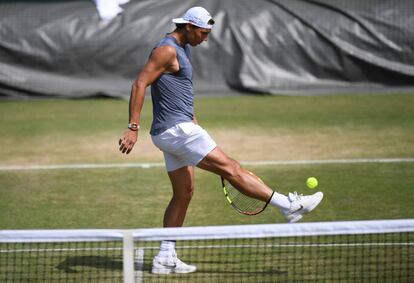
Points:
(133, 126)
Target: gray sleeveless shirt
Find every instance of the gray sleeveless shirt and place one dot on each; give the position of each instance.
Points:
(172, 94)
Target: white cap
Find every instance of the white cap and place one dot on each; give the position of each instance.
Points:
(197, 16)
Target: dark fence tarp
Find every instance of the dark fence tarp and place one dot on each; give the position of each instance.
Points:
(54, 49)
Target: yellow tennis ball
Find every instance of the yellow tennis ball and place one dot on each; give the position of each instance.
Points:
(312, 182)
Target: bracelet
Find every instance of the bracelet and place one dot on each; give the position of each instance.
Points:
(133, 126)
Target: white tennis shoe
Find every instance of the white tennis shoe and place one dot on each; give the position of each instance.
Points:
(300, 205)
(170, 264)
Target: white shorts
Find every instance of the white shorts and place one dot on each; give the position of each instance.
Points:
(184, 144)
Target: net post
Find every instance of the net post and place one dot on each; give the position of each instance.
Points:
(128, 256)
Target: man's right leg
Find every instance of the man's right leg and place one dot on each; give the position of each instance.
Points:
(182, 181)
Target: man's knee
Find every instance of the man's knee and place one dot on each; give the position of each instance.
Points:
(219, 163)
(184, 193)
(182, 181)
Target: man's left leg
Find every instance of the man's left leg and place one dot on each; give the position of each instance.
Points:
(293, 206)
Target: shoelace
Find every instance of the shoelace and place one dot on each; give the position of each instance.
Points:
(296, 196)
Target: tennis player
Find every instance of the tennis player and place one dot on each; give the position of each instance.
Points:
(184, 143)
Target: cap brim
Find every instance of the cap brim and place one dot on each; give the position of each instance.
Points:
(180, 21)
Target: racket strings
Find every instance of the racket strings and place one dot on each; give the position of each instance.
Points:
(242, 203)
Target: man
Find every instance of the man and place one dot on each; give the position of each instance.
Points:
(184, 143)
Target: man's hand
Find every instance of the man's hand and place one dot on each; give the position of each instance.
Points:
(127, 141)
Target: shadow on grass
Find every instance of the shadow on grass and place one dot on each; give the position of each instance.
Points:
(99, 262)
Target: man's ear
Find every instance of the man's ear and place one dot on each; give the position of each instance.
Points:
(188, 27)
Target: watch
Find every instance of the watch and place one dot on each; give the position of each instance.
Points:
(133, 126)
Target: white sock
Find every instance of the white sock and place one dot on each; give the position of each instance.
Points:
(167, 248)
(280, 201)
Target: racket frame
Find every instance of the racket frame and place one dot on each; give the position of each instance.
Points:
(250, 213)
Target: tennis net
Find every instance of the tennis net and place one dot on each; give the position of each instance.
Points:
(353, 251)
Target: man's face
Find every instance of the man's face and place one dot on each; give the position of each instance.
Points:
(197, 35)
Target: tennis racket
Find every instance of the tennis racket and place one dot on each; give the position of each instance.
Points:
(242, 203)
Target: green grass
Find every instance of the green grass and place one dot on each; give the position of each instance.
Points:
(131, 198)
(304, 113)
(61, 262)
(351, 258)
(250, 127)
(46, 117)
(82, 131)
(59, 131)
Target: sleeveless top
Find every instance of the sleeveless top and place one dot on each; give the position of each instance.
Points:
(172, 94)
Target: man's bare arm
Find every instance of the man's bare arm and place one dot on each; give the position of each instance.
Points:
(162, 60)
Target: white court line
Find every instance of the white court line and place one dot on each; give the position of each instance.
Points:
(139, 252)
(59, 250)
(159, 164)
(80, 166)
(310, 245)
